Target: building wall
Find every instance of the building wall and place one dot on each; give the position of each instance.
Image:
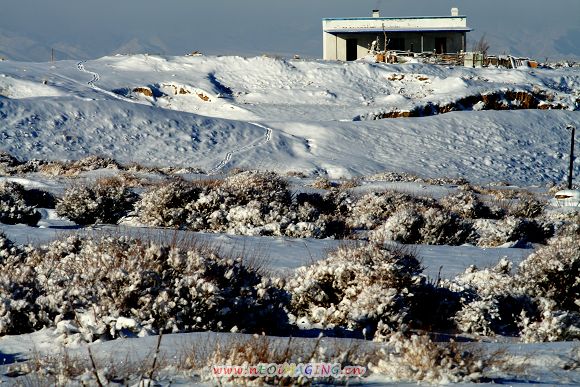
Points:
(334, 45)
(441, 22)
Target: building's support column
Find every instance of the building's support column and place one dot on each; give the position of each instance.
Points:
(422, 46)
(464, 42)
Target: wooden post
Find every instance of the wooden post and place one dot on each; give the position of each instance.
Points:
(571, 172)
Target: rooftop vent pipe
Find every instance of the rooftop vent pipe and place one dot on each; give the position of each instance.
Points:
(454, 11)
(376, 13)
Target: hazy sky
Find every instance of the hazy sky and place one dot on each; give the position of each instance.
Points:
(82, 29)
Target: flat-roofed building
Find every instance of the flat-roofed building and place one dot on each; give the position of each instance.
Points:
(351, 38)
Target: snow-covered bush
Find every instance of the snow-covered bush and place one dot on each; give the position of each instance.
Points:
(467, 205)
(111, 286)
(419, 359)
(552, 272)
(255, 185)
(441, 227)
(431, 226)
(490, 300)
(13, 206)
(552, 324)
(402, 226)
(8, 163)
(165, 204)
(250, 203)
(106, 201)
(92, 163)
(373, 209)
(527, 206)
(493, 233)
(355, 288)
(18, 290)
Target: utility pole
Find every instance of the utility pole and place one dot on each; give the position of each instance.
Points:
(572, 128)
(52, 54)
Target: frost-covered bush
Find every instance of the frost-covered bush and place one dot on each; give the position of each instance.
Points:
(373, 209)
(8, 163)
(490, 300)
(255, 185)
(165, 205)
(552, 272)
(402, 226)
(111, 286)
(249, 203)
(527, 206)
(14, 207)
(493, 233)
(18, 290)
(355, 288)
(92, 163)
(467, 205)
(104, 202)
(552, 324)
(419, 359)
(433, 226)
(441, 227)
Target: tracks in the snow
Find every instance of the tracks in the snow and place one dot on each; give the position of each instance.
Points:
(267, 137)
(97, 77)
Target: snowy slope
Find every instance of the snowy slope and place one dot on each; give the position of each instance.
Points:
(157, 110)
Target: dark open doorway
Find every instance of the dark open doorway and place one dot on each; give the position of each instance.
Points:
(351, 49)
(440, 45)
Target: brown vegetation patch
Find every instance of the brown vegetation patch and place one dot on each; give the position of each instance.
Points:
(499, 100)
(143, 90)
(396, 77)
(203, 97)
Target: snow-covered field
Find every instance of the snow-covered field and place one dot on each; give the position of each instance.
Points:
(474, 154)
(218, 113)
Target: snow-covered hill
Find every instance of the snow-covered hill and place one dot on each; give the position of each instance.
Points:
(202, 111)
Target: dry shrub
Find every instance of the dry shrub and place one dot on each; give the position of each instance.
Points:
(323, 183)
(490, 301)
(67, 368)
(395, 177)
(164, 204)
(467, 205)
(117, 286)
(373, 209)
(262, 350)
(18, 290)
(528, 206)
(419, 359)
(107, 201)
(253, 185)
(550, 324)
(552, 272)
(249, 203)
(511, 230)
(355, 288)
(73, 168)
(297, 174)
(14, 206)
(350, 183)
(424, 225)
